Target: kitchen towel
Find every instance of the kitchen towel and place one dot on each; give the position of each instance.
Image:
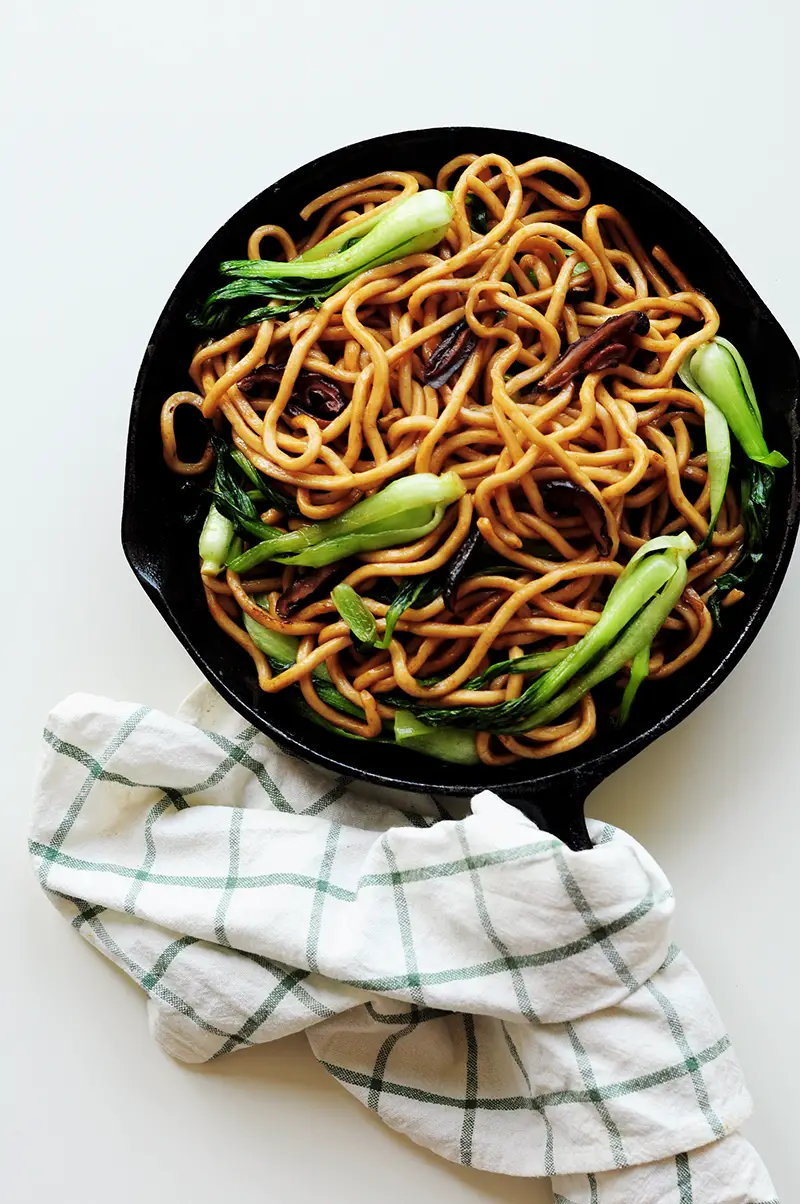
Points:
(500, 999)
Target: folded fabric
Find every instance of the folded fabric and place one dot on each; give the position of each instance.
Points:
(509, 1003)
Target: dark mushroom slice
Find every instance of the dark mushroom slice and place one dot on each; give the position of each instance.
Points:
(607, 357)
(303, 589)
(456, 566)
(313, 393)
(565, 497)
(454, 349)
(615, 333)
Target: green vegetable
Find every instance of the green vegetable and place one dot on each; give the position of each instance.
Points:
(534, 662)
(580, 266)
(328, 551)
(718, 446)
(631, 591)
(417, 223)
(265, 489)
(405, 510)
(231, 510)
(755, 491)
(639, 671)
(718, 375)
(231, 499)
(299, 703)
(215, 540)
(343, 240)
(232, 305)
(683, 544)
(385, 534)
(639, 635)
(457, 747)
(356, 615)
(281, 649)
(421, 589)
(721, 373)
(282, 653)
(451, 745)
(478, 214)
(623, 627)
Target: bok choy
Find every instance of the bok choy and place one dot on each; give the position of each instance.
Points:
(263, 288)
(721, 373)
(356, 614)
(232, 509)
(445, 744)
(215, 541)
(718, 375)
(405, 510)
(635, 610)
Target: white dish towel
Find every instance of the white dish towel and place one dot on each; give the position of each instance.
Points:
(504, 1001)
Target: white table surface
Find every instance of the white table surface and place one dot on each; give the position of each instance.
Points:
(131, 132)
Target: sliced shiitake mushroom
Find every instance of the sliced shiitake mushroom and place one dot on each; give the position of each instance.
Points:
(313, 393)
(603, 348)
(565, 497)
(454, 349)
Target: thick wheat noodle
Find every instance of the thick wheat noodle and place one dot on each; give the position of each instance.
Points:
(168, 441)
(623, 434)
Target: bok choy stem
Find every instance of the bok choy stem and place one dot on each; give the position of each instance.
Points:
(215, 540)
(718, 447)
(445, 744)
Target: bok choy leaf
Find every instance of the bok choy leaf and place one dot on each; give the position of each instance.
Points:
(756, 490)
(358, 617)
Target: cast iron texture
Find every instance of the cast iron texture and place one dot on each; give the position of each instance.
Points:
(163, 552)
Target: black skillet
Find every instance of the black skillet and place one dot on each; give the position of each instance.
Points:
(163, 552)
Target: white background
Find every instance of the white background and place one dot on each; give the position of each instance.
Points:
(131, 131)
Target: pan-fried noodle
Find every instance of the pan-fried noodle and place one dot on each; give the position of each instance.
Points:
(547, 268)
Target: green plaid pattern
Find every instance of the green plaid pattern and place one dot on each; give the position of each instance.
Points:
(508, 1003)
(727, 1172)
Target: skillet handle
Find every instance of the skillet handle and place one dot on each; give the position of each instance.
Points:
(561, 815)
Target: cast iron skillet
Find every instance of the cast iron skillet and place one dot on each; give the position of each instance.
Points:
(162, 551)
